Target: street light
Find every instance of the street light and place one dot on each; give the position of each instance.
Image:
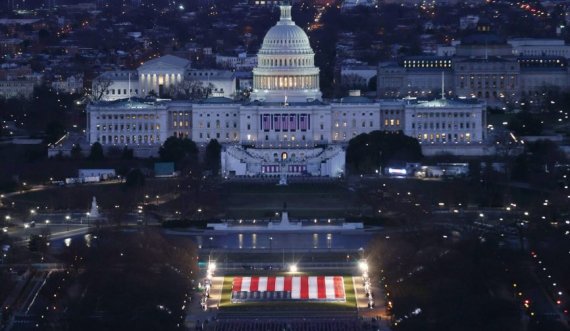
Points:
(293, 268)
(363, 265)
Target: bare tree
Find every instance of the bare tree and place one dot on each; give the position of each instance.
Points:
(190, 89)
(99, 86)
(354, 81)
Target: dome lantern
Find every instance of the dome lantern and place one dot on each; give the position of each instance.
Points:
(285, 15)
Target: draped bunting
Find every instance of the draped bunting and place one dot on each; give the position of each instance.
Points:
(320, 288)
(285, 122)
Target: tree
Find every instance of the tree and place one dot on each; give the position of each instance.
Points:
(135, 178)
(37, 243)
(213, 156)
(99, 87)
(475, 170)
(538, 161)
(96, 152)
(128, 153)
(369, 151)
(44, 36)
(372, 83)
(544, 155)
(76, 152)
(525, 124)
(190, 89)
(176, 149)
(136, 263)
(54, 131)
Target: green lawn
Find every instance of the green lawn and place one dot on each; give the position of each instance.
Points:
(304, 200)
(349, 304)
(79, 197)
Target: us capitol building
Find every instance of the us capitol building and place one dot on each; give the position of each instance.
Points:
(285, 127)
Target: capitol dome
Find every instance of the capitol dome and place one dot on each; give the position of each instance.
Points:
(286, 64)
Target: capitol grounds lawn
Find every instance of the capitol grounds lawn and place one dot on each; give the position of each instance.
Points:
(304, 200)
(348, 305)
(78, 197)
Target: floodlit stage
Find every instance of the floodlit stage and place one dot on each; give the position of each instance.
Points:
(288, 293)
(288, 288)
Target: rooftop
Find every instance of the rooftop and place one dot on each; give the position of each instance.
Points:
(132, 103)
(440, 103)
(167, 61)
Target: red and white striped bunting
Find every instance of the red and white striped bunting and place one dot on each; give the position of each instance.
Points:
(301, 287)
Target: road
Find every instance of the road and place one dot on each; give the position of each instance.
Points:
(379, 309)
(22, 234)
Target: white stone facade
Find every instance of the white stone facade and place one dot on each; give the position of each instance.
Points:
(285, 128)
(162, 77)
(146, 124)
(71, 85)
(137, 125)
(16, 88)
(242, 61)
(442, 122)
(219, 82)
(539, 47)
(484, 67)
(157, 76)
(116, 85)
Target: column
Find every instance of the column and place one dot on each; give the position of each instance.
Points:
(146, 83)
(142, 86)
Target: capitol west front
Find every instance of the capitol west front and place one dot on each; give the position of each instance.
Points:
(285, 127)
